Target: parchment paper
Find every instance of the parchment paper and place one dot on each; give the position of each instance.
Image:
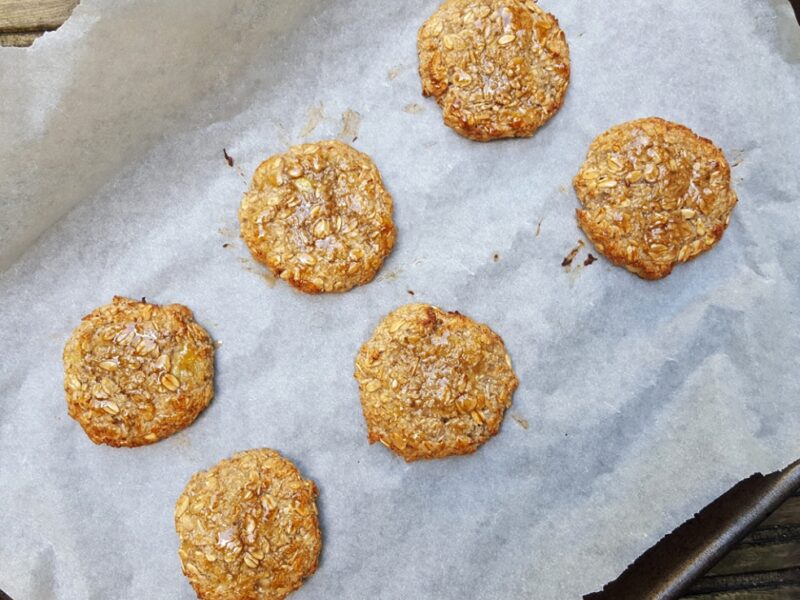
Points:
(644, 400)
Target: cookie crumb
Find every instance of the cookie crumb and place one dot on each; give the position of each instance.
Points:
(573, 253)
(589, 260)
(228, 157)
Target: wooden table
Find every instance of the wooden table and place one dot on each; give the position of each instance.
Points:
(764, 566)
(22, 21)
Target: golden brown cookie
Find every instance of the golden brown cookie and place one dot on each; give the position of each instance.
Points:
(498, 68)
(654, 194)
(433, 383)
(248, 528)
(135, 373)
(319, 217)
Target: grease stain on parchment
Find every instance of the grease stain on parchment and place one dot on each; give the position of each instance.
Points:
(251, 267)
(413, 108)
(351, 123)
(395, 71)
(392, 275)
(521, 421)
(316, 114)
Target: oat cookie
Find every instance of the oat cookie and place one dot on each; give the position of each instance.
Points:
(135, 373)
(498, 68)
(654, 194)
(319, 217)
(248, 528)
(433, 383)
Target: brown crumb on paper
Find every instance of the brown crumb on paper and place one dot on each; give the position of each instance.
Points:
(496, 257)
(539, 228)
(521, 421)
(410, 292)
(228, 157)
(589, 260)
(573, 253)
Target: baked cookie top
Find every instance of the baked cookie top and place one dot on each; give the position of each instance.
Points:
(654, 194)
(498, 68)
(433, 383)
(319, 217)
(248, 528)
(135, 373)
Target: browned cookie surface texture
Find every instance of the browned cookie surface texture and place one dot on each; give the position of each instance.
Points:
(433, 383)
(497, 68)
(135, 373)
(654, 194)
(248, 528)
(319, 217)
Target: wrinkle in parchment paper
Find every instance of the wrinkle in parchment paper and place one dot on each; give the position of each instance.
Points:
(639, 402)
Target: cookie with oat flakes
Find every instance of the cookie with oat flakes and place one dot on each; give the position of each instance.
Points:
(433, 383)
(135, 373)
(248, 528)
(497, 68)
(319, 217)
(654, 195)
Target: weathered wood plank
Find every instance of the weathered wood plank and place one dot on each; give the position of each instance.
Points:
(19, 39)
(774, 535)
(787, 514)
(751, 581)
(783, 593)
(19, 16)
(771, 549)
(759, 558)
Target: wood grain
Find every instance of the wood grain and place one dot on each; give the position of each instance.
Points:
(788, 515)
(19, 39)
(22, 21)
(763, 566)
